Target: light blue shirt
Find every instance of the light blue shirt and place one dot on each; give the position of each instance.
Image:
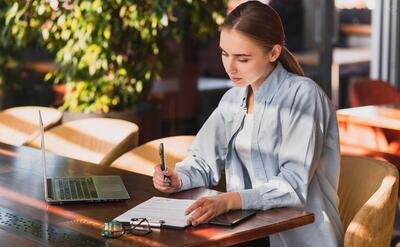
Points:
(294, 152)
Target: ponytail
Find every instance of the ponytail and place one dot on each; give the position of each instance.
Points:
(289, 62)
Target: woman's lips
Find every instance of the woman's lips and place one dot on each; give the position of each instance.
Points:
(233, 79)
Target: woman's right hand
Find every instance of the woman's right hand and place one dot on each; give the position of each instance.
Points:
(170, 185)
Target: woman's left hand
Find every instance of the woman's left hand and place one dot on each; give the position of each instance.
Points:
(206, 208)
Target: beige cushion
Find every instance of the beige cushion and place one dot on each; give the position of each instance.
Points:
(96, 140)
(143, 158)
(19, 125)
(368, 197)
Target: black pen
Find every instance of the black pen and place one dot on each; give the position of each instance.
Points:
(164, 166)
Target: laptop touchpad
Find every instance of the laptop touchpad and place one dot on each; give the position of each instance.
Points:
(109, 186)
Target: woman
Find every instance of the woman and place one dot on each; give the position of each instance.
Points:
(274, 133)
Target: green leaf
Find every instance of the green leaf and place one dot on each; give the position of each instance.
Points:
(48, 76)
(107, 33)
(122, 72)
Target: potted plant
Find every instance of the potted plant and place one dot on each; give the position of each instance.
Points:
(108, 53)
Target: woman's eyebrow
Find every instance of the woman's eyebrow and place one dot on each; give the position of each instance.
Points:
(237, 54)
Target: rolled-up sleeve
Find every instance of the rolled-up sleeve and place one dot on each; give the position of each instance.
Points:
(206, 157)
(302, 128)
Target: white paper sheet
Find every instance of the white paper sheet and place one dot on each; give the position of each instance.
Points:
(171, 211)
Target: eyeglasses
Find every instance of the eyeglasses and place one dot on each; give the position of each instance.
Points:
(115, 229)
(141, 227)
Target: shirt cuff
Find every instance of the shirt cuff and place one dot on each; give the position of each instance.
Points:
(185, 181)
(250, 199)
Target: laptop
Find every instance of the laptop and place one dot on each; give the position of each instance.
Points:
(60, 190)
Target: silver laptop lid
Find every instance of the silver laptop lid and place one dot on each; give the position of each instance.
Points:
(43, 155)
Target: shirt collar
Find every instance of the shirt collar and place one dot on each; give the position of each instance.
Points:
(269, 87)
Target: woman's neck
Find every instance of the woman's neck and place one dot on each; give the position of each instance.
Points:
(257, 84)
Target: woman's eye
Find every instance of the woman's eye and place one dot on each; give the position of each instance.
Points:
(243, 60)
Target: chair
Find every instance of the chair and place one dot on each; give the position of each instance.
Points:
(142, 159)
(372, 92)
(19, 125)
(368, 191)
(95, 140)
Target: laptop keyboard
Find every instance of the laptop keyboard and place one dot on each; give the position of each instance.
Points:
(76, 188)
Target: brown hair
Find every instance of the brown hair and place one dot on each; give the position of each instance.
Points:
(263, 24)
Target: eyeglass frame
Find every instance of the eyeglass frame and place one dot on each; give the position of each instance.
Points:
(115, 229)
(137, 232)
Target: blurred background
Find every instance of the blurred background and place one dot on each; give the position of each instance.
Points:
(157, 63)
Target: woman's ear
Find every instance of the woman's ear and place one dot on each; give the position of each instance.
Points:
(275, 53)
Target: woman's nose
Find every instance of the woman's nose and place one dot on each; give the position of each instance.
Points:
(231, 67)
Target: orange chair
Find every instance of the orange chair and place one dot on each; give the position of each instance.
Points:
(372, 92)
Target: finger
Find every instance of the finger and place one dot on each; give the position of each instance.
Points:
(157, 172)
(160, 182)
(207, 216)
(194, 206)
(164, 188)
(200, 215)
(161, 179)
(159, 175)
(164, 185)
(167, 181)
(196, 214)
(168, 172)
(158, 168)
(158, 179)
(158, 187)
(200, 210)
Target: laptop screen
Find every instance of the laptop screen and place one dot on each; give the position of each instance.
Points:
(43, 161)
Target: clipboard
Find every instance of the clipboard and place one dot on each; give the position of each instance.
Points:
(160, 212)
(157, 224)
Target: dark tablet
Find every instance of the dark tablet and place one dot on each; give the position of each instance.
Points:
(232, 217)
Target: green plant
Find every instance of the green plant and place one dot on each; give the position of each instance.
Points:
(107, 52)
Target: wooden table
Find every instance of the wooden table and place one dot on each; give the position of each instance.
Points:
(22, 191)
(381, 116)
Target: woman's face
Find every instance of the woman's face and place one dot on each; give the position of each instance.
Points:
(245, 61)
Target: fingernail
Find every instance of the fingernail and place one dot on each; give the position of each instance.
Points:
(194, 223)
